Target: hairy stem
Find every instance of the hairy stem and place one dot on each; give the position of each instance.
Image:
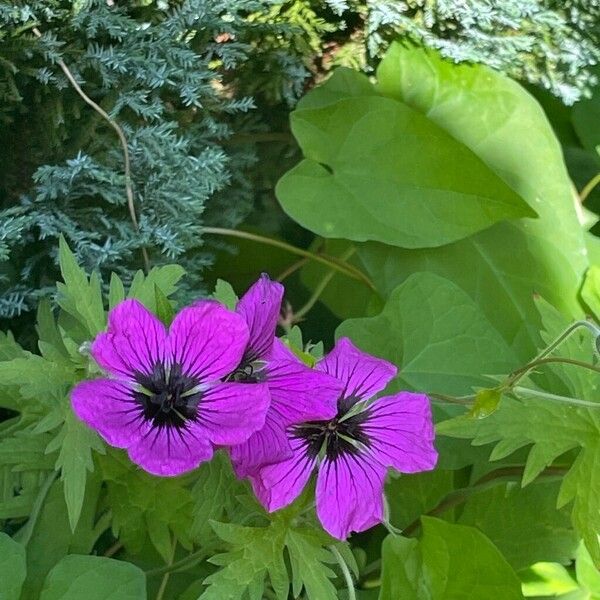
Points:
(330, 261)
(555, 398)
(345, 572)
(115, 126)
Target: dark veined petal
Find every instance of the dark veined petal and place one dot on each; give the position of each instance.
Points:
(107, 406)
(168, 452)
(280, 484)
(230, 413)
(134, 341)
(350, 494)
(267, 446)
(299, 393)
(207, 340)
(401, 432)
(362, 374)
(260, 307)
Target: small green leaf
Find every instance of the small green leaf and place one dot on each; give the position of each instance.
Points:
(164, 308)
(75, 442)
(588, 575)
(165, 278)
(225, 294)
(81, 298)
(116, 291)
(48, 331)
(12, 568)
(486, 402)
(94, 578)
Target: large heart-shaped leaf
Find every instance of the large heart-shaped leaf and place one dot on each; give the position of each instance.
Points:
(376, 169)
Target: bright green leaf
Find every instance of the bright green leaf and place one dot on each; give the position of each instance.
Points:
(165, 278)
(486, 402)
(451, 562)
(376, 169)
(116, 291)
(225, 294)
(75, 443)
(435, 334)
(94, 578)
(164, 308)
(12, 568)
(81, 298)
(590, 292)
(523, 523)
(503, 267)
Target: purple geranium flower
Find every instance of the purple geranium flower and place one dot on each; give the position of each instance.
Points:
(353, 450)
(298, 393)
(165, 401)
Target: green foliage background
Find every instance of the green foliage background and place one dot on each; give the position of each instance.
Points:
(421, 176)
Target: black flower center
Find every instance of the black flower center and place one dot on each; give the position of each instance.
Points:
(342, 435)
(168, 397)
(249, 372)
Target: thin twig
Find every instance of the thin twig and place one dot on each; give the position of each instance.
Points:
(184, 563)
(122, 139)
(112, 550)
(588, 188)
(319, 289)
(291, 269)
(325, 259)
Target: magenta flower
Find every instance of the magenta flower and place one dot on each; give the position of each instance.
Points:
(352, 451)
(164, 401)
(298, 393)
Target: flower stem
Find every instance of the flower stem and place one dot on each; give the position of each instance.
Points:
(122, 139)
(555, 398)
(330, 261)
(27, 530)
(188, 561)
(167, 575)
(345, 572)
(588, 188)
(319, 289)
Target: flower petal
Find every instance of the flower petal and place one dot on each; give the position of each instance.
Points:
(207, 340)
(134, 341)
(267, 446)
(280, 484)
(107, 406)
(401, 432)
(363, 375)
(260, 307)
(169, 451)
(299, 393)
(349, 494)
(231, 412)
